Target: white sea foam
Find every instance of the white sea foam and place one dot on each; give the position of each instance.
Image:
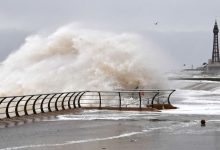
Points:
(106, 115)
(73, 58)
(72, 142)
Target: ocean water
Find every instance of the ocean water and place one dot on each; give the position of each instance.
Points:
(169, 129)
(195, 100)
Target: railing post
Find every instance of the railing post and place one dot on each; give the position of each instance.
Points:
(168, 99)
(7, 107)
(152, 103)
(16, 107)
(50, 102)
(74, 101)
(34, 104)
(42, 103)
(62, 104)
(119, 95)
(69, 106)
(100, 100)
(80, 99)
(3, 100)
(140, 99)
(25, 106)
(56, 107)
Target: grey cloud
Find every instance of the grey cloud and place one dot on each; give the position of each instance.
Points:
(184, 29)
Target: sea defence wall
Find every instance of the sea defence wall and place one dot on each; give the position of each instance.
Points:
(16, 106)
(196, 78)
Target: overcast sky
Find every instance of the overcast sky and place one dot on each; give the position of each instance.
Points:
(184, 29)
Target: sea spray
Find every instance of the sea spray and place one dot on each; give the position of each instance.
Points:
(73, 58)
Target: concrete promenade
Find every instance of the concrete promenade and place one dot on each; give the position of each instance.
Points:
(49, 133)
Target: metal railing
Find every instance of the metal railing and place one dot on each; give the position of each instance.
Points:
(16, 106)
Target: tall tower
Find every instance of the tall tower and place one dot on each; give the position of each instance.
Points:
(215, 52)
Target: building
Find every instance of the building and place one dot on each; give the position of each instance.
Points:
(213, 66)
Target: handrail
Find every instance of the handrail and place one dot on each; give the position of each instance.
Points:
(3, 99)
(152, 103)
(49, 108)
(34, 104)
(42, 103)
(7, 108)
(74, 101)
(118, 99)
(16, 108)
(25, 106)
(70, 100)
(64, 100)
(57, 101)
(168, 99)
(80, 98)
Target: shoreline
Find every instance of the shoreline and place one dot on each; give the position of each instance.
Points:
(112, 135)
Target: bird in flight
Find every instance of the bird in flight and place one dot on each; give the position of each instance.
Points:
(156, 23)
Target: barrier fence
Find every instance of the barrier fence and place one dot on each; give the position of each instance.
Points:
(16, 106)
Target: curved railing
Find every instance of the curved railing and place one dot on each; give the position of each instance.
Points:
(16, 106)
(124, 99)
